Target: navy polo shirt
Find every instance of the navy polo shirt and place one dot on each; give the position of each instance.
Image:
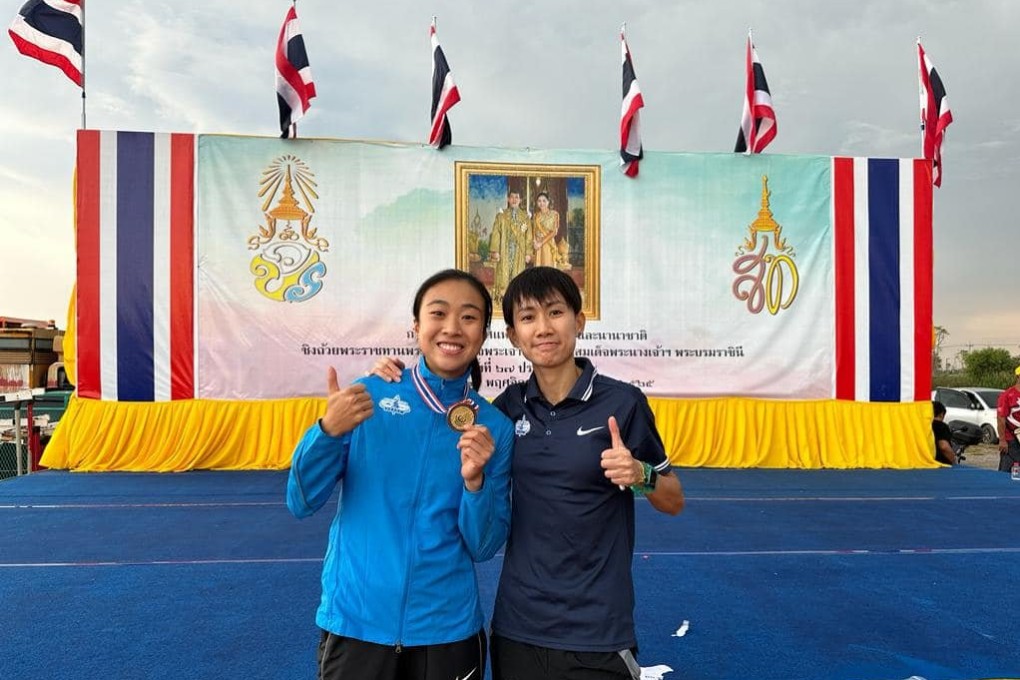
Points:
(566, 580)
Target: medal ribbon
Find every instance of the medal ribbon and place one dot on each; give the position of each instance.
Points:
(430, 398)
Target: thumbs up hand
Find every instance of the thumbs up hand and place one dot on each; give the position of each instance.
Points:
(620, 467)
(345, 408)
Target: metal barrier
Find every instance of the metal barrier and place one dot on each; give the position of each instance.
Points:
(15, 434)
(9, 461)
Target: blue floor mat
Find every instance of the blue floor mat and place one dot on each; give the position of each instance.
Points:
(769, 574)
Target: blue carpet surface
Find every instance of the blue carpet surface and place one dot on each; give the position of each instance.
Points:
(771, 574)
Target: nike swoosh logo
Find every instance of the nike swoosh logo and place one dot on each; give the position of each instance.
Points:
(468, 675)
(581, 431)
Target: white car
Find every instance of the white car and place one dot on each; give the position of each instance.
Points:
(971, 405)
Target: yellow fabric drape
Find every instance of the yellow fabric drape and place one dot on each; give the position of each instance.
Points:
(175, 436)
(739, 432)
(71, 338)
(730, 432)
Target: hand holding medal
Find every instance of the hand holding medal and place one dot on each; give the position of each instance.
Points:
(476, 446)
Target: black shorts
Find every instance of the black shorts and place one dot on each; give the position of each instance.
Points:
(512, 660)
(343, 658)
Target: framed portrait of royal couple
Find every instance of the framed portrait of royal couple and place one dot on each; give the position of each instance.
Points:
(511, 216)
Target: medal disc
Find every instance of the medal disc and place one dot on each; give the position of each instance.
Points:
(461, 415)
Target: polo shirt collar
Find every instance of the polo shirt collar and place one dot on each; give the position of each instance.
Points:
(582, 389)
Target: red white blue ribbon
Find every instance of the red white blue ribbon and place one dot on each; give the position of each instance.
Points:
(430, 398)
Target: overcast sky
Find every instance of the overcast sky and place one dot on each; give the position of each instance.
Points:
(843, 77)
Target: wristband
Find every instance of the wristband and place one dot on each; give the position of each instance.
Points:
(647, 484)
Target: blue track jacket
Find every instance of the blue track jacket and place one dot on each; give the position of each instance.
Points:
(399, 565)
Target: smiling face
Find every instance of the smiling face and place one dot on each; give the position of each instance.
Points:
(450, 327)
(542, 202)
(546, 332)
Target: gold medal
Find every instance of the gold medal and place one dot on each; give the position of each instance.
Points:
(461, 415)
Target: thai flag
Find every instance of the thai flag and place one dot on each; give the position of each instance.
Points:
(135, 291)
(758, 121)
(631, 151)
(935, 113)
(52, 32)
(294, 87)
(882, 211)
(444, 94)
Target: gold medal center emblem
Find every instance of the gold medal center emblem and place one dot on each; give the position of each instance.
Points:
(462, 415)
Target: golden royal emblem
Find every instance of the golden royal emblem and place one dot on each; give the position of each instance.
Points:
(462, 415)
(767, 277)
(288, 266)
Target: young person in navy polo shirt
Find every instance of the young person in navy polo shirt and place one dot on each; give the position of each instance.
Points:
(565, 604)
(585, 444)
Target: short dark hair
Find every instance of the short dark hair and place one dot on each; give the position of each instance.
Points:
(539, 283)
(939, 408)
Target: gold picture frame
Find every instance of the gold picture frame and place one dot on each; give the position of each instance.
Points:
(495, 241)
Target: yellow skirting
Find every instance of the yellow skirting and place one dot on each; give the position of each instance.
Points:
(175, 436)
(730, 432)
(737, 432)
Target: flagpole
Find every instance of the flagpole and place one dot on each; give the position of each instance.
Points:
(293, 126)
(83, 125)
(920, 92)
(292, 131)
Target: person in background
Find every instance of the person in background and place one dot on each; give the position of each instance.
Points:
(423, 468)
(510, 243)
(546, 227)
(943, 435)
(1008, 421)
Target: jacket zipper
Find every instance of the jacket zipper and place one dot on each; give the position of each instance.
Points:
(414, 521)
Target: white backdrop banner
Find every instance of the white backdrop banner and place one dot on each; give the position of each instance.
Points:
(709, 275)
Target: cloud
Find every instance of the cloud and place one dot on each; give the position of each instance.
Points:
(843, 77)
(997, 327)
(27, 130)
(10, 175)
(868, 139)
(185, 83)
(36, 227)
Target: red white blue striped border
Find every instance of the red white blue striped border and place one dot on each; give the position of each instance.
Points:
(882, 217)
(135, 293)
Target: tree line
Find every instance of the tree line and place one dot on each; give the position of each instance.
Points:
(985, 367)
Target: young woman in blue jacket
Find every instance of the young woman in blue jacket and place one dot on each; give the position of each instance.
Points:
(423, 467)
